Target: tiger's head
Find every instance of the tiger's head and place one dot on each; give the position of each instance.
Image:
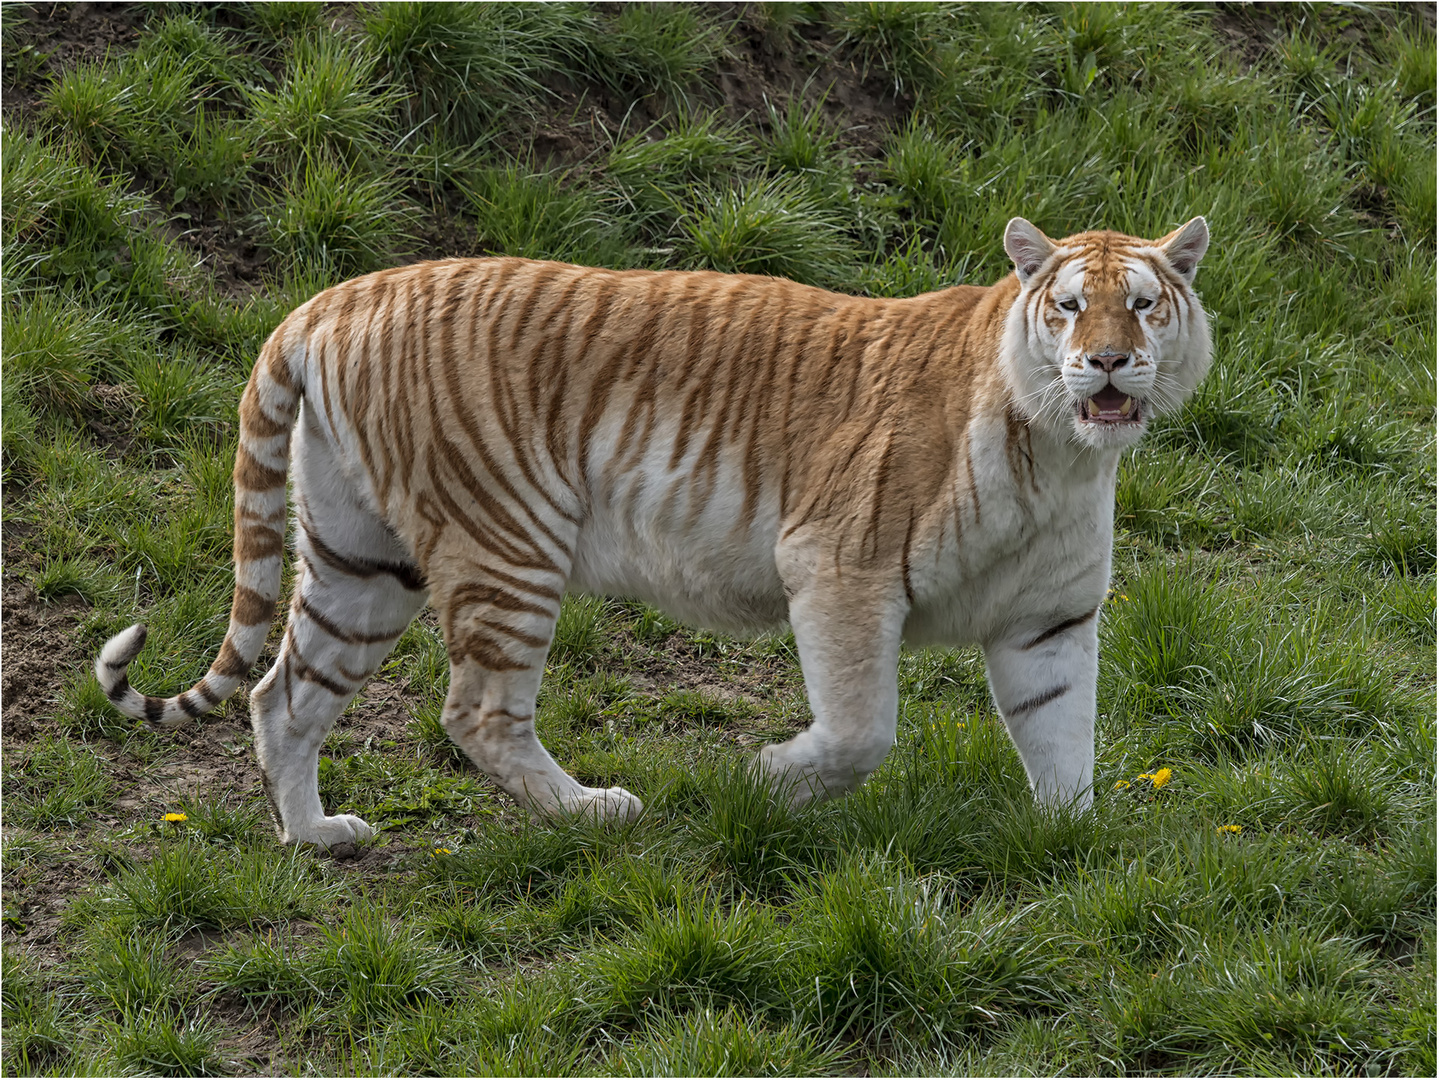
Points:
(1106, 331)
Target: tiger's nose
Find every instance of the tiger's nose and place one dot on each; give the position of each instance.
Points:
(1108, 361)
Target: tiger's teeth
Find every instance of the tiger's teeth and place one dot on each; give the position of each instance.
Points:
(1125, 407)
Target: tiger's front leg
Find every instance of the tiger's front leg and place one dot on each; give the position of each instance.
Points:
(848, 635)
(1044, 686)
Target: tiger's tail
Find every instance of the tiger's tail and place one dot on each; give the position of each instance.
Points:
(268, 408)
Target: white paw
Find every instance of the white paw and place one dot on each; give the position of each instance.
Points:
(606, 804)
(774, 759)
(795, 777)
(330, 831)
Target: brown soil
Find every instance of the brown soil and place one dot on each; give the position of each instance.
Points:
(38, 643)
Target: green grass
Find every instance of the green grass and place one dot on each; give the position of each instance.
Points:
(661, 48)
(150, 1044)
(537, 216)
(343, 222)
(1269, 907)
(777, 227)
(729, 1043)
(324, 108)
(56, 783)
(902, 40)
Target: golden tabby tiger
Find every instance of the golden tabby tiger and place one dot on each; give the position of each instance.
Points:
(489, 433)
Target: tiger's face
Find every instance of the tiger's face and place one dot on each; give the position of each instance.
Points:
(1106, 332)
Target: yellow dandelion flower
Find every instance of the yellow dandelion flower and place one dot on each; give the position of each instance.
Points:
(1161, 777)
(1114, 594)
(441, 851)
(1120, 784)
(176, 817)
(1228, 828)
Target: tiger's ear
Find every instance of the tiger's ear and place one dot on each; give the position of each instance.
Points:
(1185, 246)
(1027, 246)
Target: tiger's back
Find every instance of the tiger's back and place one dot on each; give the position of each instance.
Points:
(488, 434)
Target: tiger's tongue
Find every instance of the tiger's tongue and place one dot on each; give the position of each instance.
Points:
(1109, 402)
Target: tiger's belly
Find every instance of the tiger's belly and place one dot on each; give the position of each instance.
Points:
(704, 562)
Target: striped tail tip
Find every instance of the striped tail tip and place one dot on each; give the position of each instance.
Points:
(159, 714)
(110, 670)
(116, 655)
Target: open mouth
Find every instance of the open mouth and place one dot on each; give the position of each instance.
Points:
(1110, 406)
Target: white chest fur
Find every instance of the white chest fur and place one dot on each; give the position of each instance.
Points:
(1029, 547)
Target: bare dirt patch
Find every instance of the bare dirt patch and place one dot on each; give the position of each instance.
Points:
(234, 257)
(575, 127)
(763, 72)
(38, 646)
(37, 892)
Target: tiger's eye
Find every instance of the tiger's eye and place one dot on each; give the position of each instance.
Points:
(1142, 303)
(1069, 305)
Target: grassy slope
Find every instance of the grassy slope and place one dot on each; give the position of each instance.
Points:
(1271, 642)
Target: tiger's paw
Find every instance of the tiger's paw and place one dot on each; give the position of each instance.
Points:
(331, 831)
(606, 804)
(794, 775)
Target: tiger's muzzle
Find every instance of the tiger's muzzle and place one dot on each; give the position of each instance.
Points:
(1108, 390)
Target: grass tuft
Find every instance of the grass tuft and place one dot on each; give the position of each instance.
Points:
(777, 228)
(753, 832)
(151, 1044)
(728, 1043)
(536, 216)
(326, 108)
(345, 222)
(57, 783)
(374, 969)
(659, 48)
(133, 972)
(190, 886)
(904, 40)
(38, 1033)
(880, 953)
(281, 19)
(582, 630)
(801, 140)
(694, 956)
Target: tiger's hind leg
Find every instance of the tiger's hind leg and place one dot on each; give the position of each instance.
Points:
(355, 594)
(498, 630)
